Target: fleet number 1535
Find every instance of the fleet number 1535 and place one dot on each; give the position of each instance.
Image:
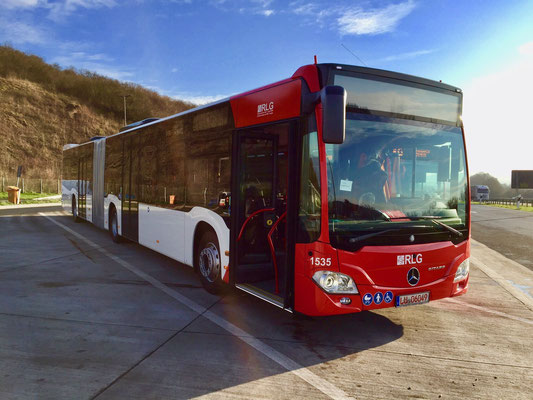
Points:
(321, 261)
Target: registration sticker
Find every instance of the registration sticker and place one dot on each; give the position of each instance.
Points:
(412, 299)
(346, 185)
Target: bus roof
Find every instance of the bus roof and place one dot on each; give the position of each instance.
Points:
(325, 69)
(306, 72)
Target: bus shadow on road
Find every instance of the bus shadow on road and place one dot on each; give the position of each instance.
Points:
(345, 333)
(309, 342)
(205, 359)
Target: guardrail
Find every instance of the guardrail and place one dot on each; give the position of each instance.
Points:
(510, 202)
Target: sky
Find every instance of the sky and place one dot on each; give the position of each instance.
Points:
(204, 50)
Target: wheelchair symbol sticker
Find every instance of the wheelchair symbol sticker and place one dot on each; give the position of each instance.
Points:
(388, 297)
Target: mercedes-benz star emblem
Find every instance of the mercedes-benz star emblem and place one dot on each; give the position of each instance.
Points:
(413, 276)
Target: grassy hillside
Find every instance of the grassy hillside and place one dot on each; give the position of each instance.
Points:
(36, 123)
(43, 107)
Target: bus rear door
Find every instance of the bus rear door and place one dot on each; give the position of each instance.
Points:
(83, 181)
(130, 199)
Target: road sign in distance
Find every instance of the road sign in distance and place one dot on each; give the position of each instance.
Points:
(522, 179)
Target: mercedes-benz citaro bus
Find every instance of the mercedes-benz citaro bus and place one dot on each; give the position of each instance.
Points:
(338, 190)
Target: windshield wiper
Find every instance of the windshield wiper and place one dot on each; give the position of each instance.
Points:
(369, 235)
(452, 230)
(435, 220)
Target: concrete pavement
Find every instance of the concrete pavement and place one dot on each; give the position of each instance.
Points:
(76, 323)
(509, 232)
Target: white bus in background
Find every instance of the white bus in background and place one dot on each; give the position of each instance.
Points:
(479, 193)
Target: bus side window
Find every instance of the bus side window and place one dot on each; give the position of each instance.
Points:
(208, 169)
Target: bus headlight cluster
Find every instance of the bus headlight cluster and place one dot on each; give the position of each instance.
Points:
(462, 271)
(335, 282)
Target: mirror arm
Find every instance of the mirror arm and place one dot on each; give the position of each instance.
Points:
(309, 102)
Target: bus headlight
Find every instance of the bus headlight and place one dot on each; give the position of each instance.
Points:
(335, 282)
(462, 271)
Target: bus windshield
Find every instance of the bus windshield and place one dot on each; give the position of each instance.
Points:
(396, 181)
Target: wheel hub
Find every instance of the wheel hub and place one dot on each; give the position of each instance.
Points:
(209, 262)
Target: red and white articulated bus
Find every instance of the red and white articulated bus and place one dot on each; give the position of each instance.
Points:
(338, 190)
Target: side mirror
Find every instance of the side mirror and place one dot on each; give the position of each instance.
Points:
(333, 99)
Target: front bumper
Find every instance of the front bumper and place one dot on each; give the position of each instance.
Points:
(312, 300)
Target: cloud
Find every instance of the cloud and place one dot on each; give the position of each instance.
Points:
(254, 7)
(349, 20)
(405, 56)
(61, 9)
(12, 4)
(98, 63)
(57, 8)
(18, 32)
(262, 3)
(526, 49)
(198, 98)
(266, 13)
(189, 97)
(356, 21)
(301, 7)
(312, 12)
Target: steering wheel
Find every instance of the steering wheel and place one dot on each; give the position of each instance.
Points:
(367, 199)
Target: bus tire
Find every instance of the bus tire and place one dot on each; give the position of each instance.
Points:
(209, 263)
(113, 225)
(75, 210)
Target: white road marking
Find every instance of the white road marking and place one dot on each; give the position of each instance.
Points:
(319, 383)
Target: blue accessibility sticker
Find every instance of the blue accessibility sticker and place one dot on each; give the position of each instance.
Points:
(378, 298)
(388, 297)
(367, 299)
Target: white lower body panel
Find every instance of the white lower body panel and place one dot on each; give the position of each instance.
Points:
(171, 232)
(162, 230)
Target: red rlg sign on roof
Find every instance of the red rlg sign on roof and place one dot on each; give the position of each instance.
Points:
(267, 105)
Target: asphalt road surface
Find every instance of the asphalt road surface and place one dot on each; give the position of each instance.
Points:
(510, 232)
(83, 318)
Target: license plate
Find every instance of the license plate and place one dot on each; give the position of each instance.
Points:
(412, 299)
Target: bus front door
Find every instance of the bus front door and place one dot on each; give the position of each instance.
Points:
(259, 210)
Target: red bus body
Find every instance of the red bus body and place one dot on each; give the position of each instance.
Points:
(374, 269)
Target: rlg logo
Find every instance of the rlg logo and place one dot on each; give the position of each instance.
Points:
(409, 259)
(265, 109)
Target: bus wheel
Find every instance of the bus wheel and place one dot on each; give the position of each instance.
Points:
(75, 210)
(209, 263)
(113, 225)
